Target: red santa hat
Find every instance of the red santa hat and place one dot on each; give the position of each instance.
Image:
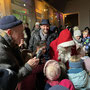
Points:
(65, 39)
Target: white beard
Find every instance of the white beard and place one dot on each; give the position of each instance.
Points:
(64, 54)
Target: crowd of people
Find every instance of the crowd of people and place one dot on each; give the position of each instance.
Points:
(48, 58)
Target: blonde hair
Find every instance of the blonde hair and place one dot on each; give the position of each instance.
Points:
(75, 58)
(85, 32)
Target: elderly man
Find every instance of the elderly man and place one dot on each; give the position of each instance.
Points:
(11, 33)
(39, 35)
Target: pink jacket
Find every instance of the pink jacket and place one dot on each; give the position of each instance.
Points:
(65, 82)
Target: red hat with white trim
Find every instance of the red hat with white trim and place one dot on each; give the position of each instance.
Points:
(65, 39)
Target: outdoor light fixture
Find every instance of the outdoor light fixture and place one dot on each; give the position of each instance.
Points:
(45, 10)
(24, 5)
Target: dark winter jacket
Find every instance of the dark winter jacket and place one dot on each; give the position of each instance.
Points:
(10, 57)
(8, 79)
(52, 37)
(28, 33)
(35, 39)
(34, 30)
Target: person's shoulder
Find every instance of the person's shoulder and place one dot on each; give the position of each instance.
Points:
(27, 28)
(88, 37)
(36, 32)
(53, 43)
(66, 81)
(3, 38)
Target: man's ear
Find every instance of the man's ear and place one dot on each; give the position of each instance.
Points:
(9, 32)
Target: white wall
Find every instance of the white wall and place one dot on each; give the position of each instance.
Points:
(82, 7)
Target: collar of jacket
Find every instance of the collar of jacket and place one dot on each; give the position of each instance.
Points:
(8, 39)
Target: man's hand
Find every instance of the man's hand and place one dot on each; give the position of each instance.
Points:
(21, 42)
(33, 62)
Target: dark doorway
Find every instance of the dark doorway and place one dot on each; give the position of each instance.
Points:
(71, 20)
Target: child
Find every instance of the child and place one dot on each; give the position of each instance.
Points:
(77, 38)
(77, 74)
(85, 33)
(53, 71)
(86, 41)
(86, 44)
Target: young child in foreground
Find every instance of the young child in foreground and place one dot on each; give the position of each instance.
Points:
(56, 75)
(77, 74)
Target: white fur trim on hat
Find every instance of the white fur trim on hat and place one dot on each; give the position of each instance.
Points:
(66, 44)
(52, 70)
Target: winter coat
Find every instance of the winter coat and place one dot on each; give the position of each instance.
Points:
(10, 57)
(80, 80)
(53, 50)
(35, 38)
(34, 30)
(52, 37)
(86, 43)
(65, 82)
(7, 77)
(28, 33)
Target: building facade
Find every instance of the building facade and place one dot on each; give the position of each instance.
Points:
(45, 11)
(5, 7)
(24, 10)
(30, 11)
(82, 8)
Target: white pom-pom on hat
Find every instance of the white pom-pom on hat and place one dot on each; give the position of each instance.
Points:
(75, 28)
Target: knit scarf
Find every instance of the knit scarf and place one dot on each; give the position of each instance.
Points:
(43, 36)
(77, 41)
